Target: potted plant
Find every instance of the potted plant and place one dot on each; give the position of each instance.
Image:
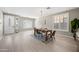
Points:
(74, 27)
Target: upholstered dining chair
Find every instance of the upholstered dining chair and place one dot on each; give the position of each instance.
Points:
(37, 34)
(46, 36)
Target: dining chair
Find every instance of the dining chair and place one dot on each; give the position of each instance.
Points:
(52, 35)
(35, 31)
(38, 34)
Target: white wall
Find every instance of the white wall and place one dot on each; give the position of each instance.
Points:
(1, 24)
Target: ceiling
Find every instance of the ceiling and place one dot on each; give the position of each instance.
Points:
(34, 12)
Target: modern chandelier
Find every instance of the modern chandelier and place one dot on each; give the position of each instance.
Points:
(42, 13)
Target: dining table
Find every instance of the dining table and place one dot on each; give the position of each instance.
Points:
(46, 31)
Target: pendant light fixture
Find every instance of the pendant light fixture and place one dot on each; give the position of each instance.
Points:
(42, 15)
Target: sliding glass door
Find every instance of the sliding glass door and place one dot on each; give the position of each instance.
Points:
(9, 24)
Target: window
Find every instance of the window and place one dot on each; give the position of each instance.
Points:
(56, 22)
(28, 24)
(61, 22)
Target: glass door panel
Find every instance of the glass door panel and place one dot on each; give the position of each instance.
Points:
(8, 24)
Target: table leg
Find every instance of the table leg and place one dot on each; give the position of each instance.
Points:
(46, 38)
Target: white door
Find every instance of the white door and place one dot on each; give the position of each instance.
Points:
(9, 24)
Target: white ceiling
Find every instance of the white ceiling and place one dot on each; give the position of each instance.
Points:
(34, 11)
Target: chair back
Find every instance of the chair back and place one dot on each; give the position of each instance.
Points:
(53, 34)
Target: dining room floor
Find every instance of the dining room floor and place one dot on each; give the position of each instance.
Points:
(26, 42)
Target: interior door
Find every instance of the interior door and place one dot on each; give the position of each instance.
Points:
(9, 24)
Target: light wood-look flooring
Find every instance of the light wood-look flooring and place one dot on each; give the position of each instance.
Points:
(26, 42)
